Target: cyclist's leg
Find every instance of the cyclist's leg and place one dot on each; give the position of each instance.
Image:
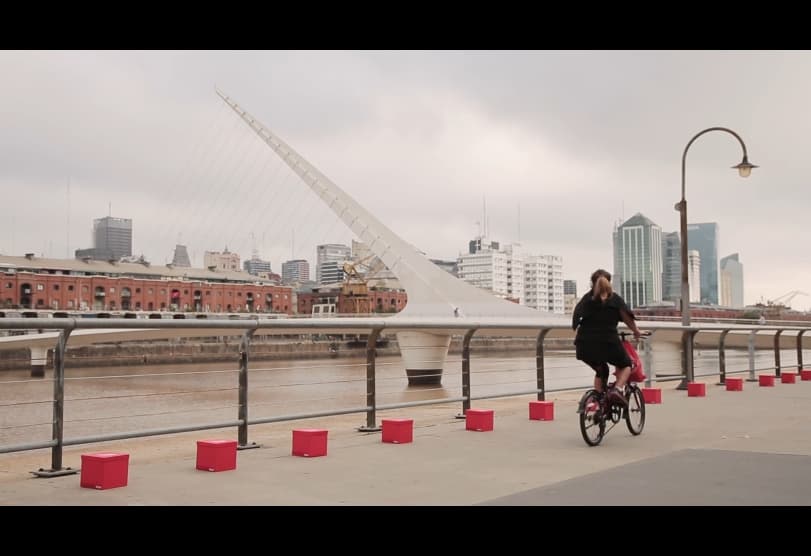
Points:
(623, 373)
(622, 362)
(601, 371)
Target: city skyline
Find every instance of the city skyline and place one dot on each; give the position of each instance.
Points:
(418, 138)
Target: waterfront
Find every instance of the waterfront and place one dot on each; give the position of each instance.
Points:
(109, 400)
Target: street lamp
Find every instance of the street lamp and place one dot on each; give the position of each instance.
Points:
(744, 170)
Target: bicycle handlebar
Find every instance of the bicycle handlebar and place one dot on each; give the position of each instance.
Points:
(646, 333)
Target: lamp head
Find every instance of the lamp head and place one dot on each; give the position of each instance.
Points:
(745, 167)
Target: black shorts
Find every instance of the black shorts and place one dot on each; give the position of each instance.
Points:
(598, 355)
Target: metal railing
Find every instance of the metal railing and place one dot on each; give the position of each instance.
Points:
(467, 328)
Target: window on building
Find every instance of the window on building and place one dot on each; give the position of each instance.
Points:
(149, 290)
(56, 287)
(40, 287)
(9, 285)
(112, 290)
(70, 287)
(185, 292)
(163, 291)
(84, 289)
(137, 290)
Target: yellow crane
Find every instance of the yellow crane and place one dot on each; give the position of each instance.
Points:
(355, 288)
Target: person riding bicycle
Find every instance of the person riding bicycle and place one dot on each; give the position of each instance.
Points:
(597, 342)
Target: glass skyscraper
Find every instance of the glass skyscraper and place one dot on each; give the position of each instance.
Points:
(638, 261)
(704, 239)
(731, 281)
(671, 267)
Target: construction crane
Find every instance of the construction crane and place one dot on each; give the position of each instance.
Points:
(786, 298)
(355, 286)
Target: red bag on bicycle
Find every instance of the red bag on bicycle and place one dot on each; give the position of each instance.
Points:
(637, 371)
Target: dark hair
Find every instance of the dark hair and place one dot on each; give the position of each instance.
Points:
(597, 273)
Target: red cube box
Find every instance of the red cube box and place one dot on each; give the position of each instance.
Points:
(398, 431)
(696, 389)
(652, 395)
(105, 470)
(216, 455)
(788, 378)
(805, 374)
(734, 384)
(309, 443)
(541, 411)
(479, 420)
(766, 380)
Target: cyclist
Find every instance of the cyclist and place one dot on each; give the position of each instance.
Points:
(597, 343)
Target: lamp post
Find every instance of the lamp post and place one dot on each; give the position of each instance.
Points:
(744, 169)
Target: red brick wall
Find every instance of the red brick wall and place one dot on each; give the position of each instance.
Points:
(59, 291)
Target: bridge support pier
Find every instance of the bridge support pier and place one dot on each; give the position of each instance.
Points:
(424, 356)
(39, 357)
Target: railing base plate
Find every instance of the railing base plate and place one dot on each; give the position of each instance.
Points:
(364, 428)
(248, 446)
(48, 473)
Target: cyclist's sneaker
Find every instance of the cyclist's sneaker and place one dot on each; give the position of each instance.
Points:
(616, 397)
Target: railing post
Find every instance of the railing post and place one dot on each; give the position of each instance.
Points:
(371, 388)
(466, 372)
(777, 353)
(647, 359)
(58, 410)
(244, 350)
(751, 350)
(722, 358)
(687, 370)
(539, 364)
(800, 350)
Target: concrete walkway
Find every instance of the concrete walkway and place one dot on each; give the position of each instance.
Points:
(689, 453)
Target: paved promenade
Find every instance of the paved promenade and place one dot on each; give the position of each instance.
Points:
(730, 448)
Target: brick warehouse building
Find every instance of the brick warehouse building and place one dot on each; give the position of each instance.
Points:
(30, 282)
(379, 301)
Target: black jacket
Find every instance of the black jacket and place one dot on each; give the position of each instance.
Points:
(597, 320)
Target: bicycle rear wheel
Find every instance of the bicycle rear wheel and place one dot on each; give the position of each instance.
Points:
(592, 421)
(635, 412)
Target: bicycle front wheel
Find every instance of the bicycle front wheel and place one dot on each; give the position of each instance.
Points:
(635, 412)
(592, 421)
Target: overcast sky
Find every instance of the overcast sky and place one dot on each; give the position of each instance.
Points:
(577, 140)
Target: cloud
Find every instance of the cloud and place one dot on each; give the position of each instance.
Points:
(571, 140)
